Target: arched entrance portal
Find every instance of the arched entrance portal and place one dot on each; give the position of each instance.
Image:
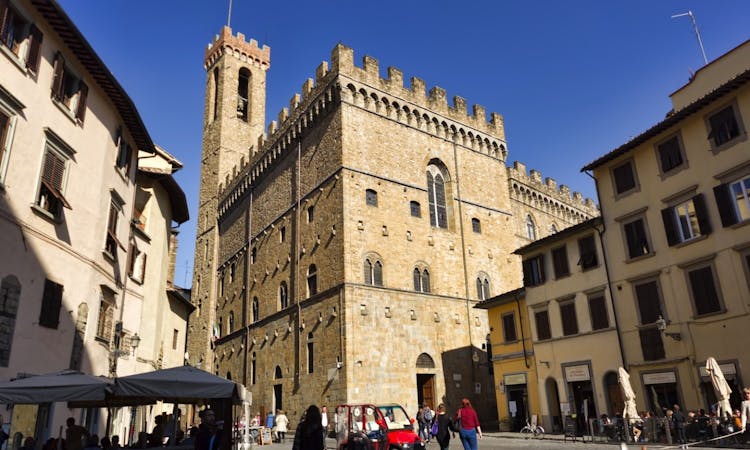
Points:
(554, 420)
(277, 398)
(426, 381)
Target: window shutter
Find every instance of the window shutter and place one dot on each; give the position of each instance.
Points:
(667, 216)
(49, 316)
(4, 10)
(83, 92)
(35, 46)
(725, 205)
(542, 278)
(701, 212)
(527, 279)
(132, 255)
(57, 80)
(54, 170)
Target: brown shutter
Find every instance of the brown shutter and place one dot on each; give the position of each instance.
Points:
(49, 316)
(35, 47)
(724, 203)
(4, 12)
(667, 216)
(83, 92)
(57, 80)
(131, 258)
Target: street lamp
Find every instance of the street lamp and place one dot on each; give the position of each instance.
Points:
(661, 325)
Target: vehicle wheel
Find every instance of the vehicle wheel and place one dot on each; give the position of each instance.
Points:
(539, 433)
(526, 432)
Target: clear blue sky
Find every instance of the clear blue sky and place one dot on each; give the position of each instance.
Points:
(573, 79)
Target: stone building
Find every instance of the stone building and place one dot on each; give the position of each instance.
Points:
(340, 252)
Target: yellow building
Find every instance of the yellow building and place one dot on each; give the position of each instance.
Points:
(512, 359)
(675, 203)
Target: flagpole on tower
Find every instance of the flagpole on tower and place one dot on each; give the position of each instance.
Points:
(229, 16)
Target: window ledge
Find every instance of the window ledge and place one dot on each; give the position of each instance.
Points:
(728, 144)
(13, 58)
(102, 340)
(562, 276)
(135, 280)
(640, 258)
(142, 234)
(45, 214)
(740, 224)
(711, 314)
(109, 256)
(590, 268)
(122, 173)
(702, 237)
(65, 110)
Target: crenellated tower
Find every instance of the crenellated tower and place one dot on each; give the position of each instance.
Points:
(234, 118)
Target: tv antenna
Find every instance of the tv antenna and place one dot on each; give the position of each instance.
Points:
(695, 28)
(229, 16)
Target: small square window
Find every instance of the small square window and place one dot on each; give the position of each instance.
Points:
(509, 327)
(733, 201)
(476, 225)
(686, 220)
(724, 126)
(587, 251)
(624, 177)
(636, 238)
(415, 208)
(533, 271)
(670, 154)
(371, 197)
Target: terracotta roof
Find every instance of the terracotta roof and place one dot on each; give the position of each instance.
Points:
(673, 119)
(560, 235)
(503, 298)
(74, 40)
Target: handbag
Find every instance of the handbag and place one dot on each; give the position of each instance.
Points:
(434, 430)
(455, 424)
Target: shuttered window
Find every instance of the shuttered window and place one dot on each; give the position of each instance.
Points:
(509, 327)
(670, 154)
(49, 316)
(560, 262)
(533, 271)
(569, 319)
(542, 325)
(51, 197)
(587, 251)
(598, 310)
(704, 291)
(686, 220)
(724, 126)
(635, 236)
(624, 177)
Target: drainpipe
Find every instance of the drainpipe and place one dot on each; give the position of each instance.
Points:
(600, 232)
(523, 338)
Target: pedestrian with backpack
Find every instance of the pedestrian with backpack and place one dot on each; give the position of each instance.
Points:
(443, 421)
(470, 430)
(428, 415)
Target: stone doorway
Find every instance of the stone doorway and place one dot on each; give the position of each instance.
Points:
(426, 390)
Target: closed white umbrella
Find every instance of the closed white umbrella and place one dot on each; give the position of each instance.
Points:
(630, 411)
(721, 387)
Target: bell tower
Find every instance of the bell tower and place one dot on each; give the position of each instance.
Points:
(234, 119)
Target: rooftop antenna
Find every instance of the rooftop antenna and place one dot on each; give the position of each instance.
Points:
(229, 17)
(697, 33)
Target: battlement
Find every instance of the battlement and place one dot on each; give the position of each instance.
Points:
(548, 186)
(342, 62)
(238, 47)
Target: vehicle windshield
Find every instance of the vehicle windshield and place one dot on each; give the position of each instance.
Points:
(395, 417)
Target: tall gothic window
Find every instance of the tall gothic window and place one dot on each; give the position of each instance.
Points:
(283, 295)
(530, 228)
(436, 194)
(242, 93)
(373, 271)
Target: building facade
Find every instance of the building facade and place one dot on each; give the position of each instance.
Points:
(339, 254)
(573, 326)
(675, 203)
(73, 293)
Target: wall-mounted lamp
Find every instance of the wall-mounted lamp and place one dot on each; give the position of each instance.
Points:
(661, 325)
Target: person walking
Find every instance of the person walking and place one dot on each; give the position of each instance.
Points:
(427, 415)
(207, 437)
(443, 436)
(74, 435)
(282, 425)
(679, 424)
(309, 431)
(470, 428)
(420, 421)
(324, 420)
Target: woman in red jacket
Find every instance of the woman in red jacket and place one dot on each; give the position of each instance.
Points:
(470, 430)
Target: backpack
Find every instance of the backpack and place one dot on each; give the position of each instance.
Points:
(455, 424)
(428, 415)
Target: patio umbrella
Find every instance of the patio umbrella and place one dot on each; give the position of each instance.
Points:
(54, 387)
(721, 387)
(630, 411)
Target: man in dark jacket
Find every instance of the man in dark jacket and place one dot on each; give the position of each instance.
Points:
(207, 437)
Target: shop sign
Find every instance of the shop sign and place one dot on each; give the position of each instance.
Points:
(517, 378)
(726, 369)
(577, 373)
(659, 378)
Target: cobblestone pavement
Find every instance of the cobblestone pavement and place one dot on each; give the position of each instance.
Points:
(500, 441)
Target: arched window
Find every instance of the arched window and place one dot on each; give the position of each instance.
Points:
(230, 322)
(256, 309)
(530, 228)
(312, 280)
(371, 197)
(310, 354)
(10, 294)
(216, 93)
(283, 296)
(242, 93)
(436, 194)
(421, 280)
(483, 287)
(220, 327)
(373, 271)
